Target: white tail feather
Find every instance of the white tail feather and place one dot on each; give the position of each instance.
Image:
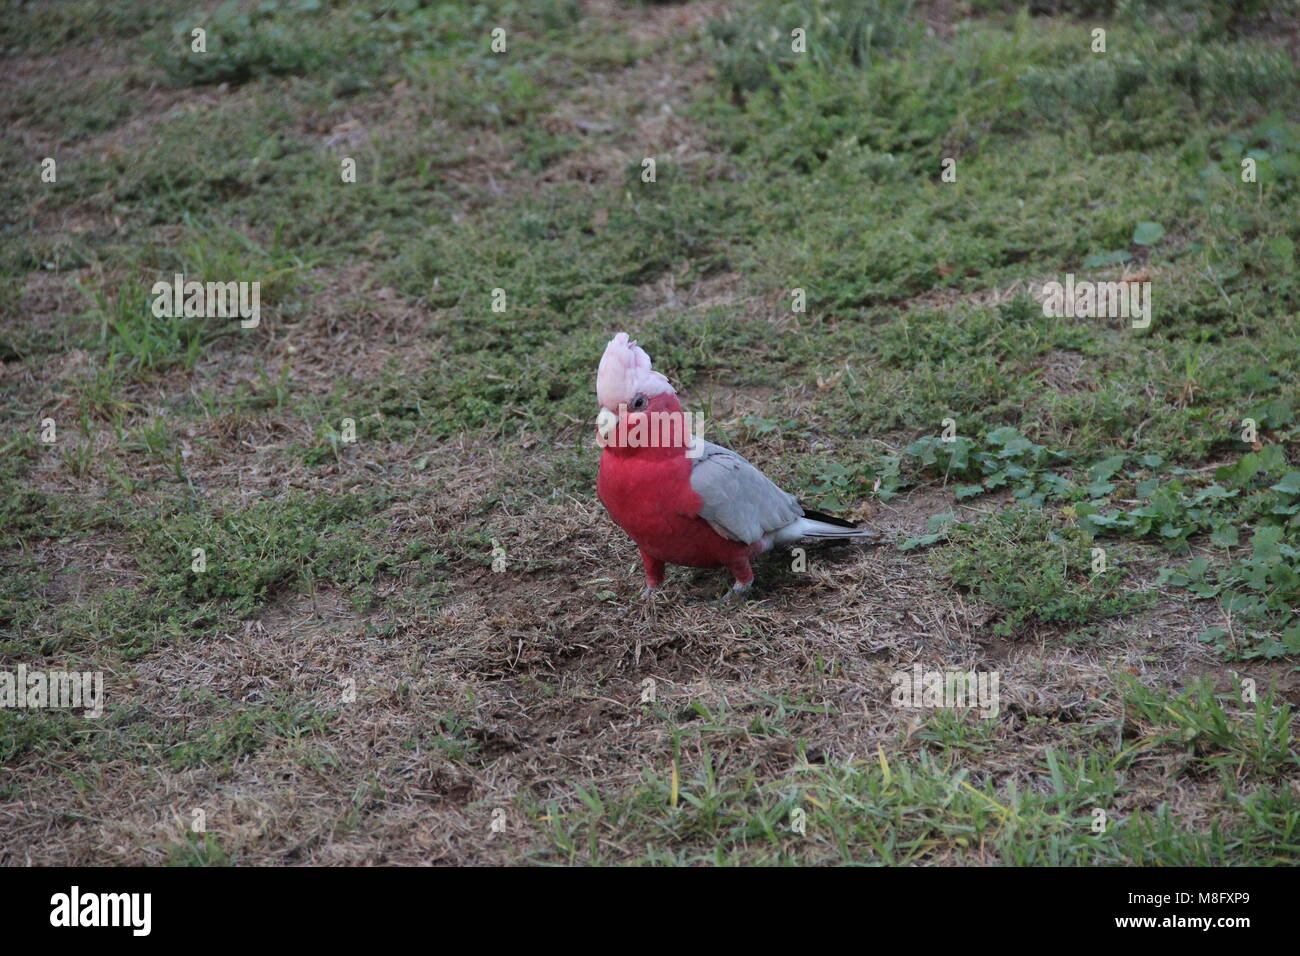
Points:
(808, 528)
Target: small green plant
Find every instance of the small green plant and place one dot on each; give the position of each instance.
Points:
(1218, 730)
(246, 731)
(136, 339)
(198, 849)
(1008, 460)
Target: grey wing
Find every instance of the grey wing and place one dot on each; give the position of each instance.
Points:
(738, 500)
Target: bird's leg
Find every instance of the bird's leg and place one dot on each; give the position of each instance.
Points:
(744, 576)
(654, 574)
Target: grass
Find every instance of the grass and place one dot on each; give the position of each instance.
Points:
(931, 807)
(392, 481)
(1017, 562)
(208, 567)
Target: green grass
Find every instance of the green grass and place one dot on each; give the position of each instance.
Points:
(198, 849)
(247, 731)
(251, 555)
(929, 806)
(217, 735)
(1030, 570)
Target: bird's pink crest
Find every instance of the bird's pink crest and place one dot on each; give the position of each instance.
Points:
(625, 372)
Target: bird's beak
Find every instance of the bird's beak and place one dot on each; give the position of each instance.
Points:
(606, 422)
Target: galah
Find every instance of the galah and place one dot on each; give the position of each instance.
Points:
(684, 500)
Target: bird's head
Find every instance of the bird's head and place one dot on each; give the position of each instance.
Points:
(633, 397)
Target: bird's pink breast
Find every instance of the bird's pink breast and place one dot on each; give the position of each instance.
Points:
(652, 500)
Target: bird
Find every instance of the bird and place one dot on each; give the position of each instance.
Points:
(683, 500)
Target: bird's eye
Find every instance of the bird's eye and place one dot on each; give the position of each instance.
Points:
(638, 403)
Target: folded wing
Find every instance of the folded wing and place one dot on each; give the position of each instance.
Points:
(738, 500)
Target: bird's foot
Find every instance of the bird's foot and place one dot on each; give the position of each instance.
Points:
(737, 593)
(648, 607)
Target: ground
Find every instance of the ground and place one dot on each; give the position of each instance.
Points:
(427, 645)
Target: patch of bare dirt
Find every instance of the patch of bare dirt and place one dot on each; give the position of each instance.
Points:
(1064, 371)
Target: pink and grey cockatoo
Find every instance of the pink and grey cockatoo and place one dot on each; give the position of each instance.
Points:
(684, 500)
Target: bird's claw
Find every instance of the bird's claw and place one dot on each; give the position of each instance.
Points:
(737, 594)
